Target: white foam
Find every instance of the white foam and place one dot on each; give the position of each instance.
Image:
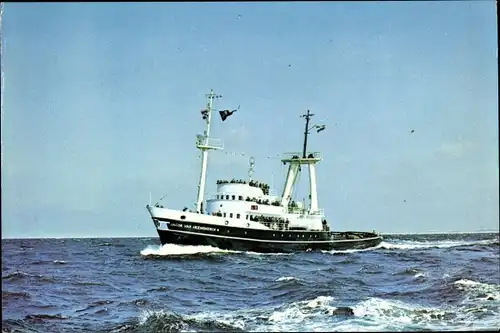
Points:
(269, 254)
(409, 245)
(286, 278)
(145, 314)
(318, 302)
(353, 250)
(60, 262)
(479, 290)
(373, 314)
(174, 249)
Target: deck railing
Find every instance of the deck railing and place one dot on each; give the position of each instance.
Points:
(298, 155)
(302, 211)
(209, 143)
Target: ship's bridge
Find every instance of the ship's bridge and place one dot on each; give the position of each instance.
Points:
(243, 199)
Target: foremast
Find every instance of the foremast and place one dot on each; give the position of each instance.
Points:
(295, 160)
(205, 143)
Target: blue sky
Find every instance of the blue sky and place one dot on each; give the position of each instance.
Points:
(101, 105)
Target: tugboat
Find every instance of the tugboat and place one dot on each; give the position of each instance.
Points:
(245, 216)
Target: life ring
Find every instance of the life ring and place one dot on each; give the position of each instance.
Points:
(227, 222)
(248, 225)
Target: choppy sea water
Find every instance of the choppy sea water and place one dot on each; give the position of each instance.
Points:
(408, 283)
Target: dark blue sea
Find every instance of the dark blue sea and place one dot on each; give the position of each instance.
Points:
(408, 283)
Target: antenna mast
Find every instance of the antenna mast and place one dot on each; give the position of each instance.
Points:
(308, 116)
(205, 143)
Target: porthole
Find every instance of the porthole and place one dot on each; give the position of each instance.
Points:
(248, 226)
(183, 217)
(281, 235)
(274, 235)
(227, 222)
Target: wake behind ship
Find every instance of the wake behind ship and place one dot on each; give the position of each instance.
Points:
(244, 215)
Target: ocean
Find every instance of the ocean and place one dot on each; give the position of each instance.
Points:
(408, 283)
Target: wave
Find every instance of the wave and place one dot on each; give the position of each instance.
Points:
(318, 313)
(41, 317)
(165, 321)
(479, 290)
(352, 250)
(7, 295)
(19, 275)
(286, 278)
(411, 245)
(95, 305)
(60, 262)
(370, 314)
(88, 283)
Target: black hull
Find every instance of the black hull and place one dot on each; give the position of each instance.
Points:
(263, 241)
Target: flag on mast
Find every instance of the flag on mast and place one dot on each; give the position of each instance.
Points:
(226, 113)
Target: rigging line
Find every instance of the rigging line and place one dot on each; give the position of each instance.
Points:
(242, 154)
(169, 193)
(246, 155)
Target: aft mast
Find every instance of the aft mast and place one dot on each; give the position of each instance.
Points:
(295, 161)
(205, 143)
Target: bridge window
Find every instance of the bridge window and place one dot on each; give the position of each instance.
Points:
(246, 217)
(234, 197)
(227, 197)
(240, 197)
(230, 214)
(183, 217)
(224, 214)
(237, 216)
